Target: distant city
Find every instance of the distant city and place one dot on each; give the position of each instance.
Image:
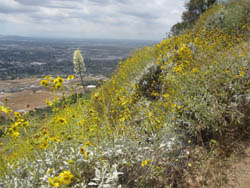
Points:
(22, 57)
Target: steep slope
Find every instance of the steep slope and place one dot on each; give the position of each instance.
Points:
(170, 116)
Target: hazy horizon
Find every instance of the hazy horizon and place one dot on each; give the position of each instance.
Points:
(76, 38)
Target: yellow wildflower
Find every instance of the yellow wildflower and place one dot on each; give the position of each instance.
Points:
(17, 114)
(83, 151)
(70, 77)
(44, 144)
(145, 162)
(58, 85)
(59, 80)
(52, 80)
(25, 124)
(123, 119)
(195, 70)
(66, 177)
(13, 130)
(5, 109)
(96, 95)
(47, 77)
(178, 69)
(62, 120)
(48, 102)
(44, 83)
(242, 73)
(55, 182)
(15, 134)
(166, 95)
(19, 121)
(87, 144)
(44, 132)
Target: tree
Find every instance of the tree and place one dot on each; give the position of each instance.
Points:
(79, 65)
(194, 8)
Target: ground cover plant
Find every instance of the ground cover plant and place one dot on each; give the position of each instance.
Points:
(168, 117)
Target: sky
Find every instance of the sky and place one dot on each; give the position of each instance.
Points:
(103, 19)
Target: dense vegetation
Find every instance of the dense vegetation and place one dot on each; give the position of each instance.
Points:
(168, 116)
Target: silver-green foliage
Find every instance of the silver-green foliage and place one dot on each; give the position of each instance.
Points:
(113, 164)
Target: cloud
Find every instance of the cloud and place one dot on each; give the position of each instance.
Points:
(142, 19)
(11, 6)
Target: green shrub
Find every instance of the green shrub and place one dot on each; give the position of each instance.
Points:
(232, 16)
(211, 19)
(237, 15)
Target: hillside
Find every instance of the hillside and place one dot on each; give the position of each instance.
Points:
(173, 115)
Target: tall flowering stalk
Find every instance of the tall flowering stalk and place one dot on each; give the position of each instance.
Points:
(79, 65)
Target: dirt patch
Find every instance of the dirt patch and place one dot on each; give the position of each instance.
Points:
(27, 100)
(239, 173)
(24, 94)
(27, 94)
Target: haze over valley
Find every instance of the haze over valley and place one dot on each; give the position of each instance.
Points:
(22, 57)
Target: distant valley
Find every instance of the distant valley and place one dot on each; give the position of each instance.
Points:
(22, 57)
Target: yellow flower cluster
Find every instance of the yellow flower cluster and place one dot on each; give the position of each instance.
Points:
(13, 130)
(54, 83)
(5, 109)
(44, 83)
(43, 140)
(64, 178)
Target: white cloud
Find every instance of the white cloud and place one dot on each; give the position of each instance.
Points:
(140, 19)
